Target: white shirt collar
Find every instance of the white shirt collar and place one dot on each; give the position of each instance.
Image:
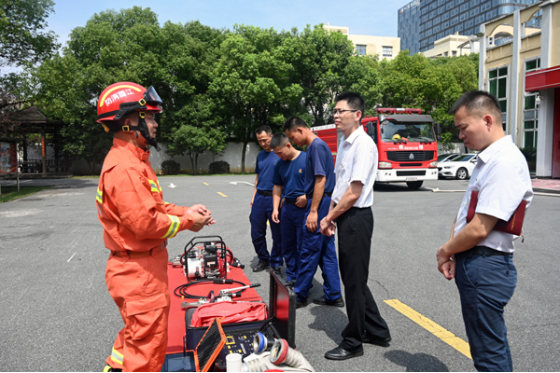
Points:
(494, 148)
(350, 140)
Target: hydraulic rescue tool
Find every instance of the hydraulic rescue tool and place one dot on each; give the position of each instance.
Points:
(224, 296)
(206, 257)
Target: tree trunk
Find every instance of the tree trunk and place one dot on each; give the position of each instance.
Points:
(193, 162)
(243, 148)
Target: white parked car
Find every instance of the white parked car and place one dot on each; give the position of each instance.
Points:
(460, 167)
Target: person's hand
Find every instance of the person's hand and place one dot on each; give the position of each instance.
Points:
(275, 217)
(201, 209)
(311, 222)
(328, 228)
(442, 257)
(449, 269)
(301, 201)
(252, 200)
(200, 220)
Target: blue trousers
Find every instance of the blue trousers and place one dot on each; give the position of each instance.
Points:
(486, 284)
(261, 212)
(291, 226)
(318, 250)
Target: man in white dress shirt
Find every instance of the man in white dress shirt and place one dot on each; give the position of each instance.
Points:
(352, 198)
(478, 257)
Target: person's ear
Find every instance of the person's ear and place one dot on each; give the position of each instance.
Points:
(489, 121)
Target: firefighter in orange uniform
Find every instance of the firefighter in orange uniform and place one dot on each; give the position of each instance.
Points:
(136, 225)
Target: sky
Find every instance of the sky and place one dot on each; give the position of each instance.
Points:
(371, 17)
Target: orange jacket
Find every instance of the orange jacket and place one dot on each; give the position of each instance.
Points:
(130, 203)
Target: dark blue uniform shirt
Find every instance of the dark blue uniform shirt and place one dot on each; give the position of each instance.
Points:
(319, 163)
(291, 176)
(266, 161)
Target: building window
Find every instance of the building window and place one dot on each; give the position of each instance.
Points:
(387, 51)
(531, 110)
(454, 53)
(498, 79)
(361, 49)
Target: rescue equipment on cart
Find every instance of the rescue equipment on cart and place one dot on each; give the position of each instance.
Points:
(207, 257)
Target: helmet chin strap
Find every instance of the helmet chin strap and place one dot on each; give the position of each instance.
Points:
(144, 131)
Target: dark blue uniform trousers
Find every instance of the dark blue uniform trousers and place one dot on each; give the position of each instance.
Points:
(318, 250)
(291, 226)
(260, 213)
(486, 284)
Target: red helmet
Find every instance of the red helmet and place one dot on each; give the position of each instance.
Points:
(123, 98)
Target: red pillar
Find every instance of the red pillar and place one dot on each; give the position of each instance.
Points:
(556, 136)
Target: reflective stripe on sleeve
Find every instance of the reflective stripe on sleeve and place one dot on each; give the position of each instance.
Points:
(159, 186)
(153, 186)
(117, 357)
(173, 228)
(99, 197)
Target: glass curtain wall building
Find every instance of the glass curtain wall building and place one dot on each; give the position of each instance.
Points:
(422, 22)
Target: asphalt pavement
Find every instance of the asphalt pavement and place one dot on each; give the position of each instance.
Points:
(58, 316)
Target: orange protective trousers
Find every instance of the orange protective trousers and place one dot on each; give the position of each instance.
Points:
(139, 288)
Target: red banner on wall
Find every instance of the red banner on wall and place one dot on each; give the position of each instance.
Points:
(8, 157)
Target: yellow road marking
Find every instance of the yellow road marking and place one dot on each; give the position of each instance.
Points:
(268, 223)
(222, 194)
(205, 183)
(436, 329)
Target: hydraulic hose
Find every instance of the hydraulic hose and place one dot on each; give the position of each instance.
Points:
(282, 353)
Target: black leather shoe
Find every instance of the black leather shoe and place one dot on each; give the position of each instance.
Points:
(301, 303)
(261, 266)
(341, 354)
(383, 342)
(338, 302)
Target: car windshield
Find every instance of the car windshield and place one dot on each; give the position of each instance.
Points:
(443, 156)
(463, 158)
(391, 132)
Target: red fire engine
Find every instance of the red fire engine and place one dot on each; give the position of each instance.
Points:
(405, 140)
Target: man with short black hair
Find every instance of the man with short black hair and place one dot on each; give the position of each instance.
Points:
(477, 256)
(289, 196)
(261, 205)
(356, 168)
(316, 250)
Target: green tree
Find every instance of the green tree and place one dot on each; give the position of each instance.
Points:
(431, 85)
(251, 84)
(128, 45)
(319, 60)
(23, 43)
(22, 39)
(199, 135)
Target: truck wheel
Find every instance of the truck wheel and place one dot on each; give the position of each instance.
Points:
(414, 185)
(462, 173)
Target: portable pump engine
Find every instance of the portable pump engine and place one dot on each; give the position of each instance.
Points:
(207, 257)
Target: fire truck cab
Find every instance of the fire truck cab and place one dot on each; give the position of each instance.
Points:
(406, 143)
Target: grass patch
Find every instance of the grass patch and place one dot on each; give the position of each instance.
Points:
(11, 193)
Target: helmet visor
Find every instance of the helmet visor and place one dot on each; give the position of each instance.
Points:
(152, 97)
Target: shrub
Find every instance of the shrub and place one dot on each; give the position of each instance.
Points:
(170, 167)
(219, 167)
(530, 153)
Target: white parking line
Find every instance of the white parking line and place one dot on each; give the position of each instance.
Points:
(68, 261)
(437, 190)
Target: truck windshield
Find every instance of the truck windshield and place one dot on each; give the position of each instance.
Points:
(391, 132)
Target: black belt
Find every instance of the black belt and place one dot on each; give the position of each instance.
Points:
(266, 193)
(328, 194)
(291, 202)
(480, 250)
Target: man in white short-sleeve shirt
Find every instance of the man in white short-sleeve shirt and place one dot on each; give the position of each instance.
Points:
(355, 169)
(478, 257)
